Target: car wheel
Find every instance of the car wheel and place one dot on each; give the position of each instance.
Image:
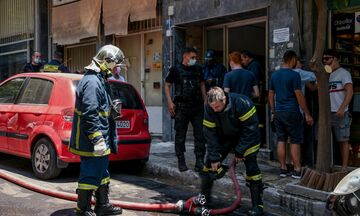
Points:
(44, 159)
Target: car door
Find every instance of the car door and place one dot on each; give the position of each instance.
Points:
(30, 111)
(9, 91)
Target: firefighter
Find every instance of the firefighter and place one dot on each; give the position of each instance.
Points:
(230, 123)
(187, 106)
(93, 135)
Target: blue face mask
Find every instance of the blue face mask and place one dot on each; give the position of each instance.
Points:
(192, 62)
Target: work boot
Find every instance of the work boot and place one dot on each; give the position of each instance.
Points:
(256, 191)
(206, 187)
(84, 203)
(103, 207)
(181, 163)
(199, 164)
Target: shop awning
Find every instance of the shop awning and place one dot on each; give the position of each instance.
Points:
(72, 22)
(116, 15)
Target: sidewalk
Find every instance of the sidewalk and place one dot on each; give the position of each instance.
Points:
(281, 193)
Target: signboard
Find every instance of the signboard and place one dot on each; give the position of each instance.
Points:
(343, 23)
(281, 35)
(357, 22)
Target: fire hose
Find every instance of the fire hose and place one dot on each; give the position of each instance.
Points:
(194, 205)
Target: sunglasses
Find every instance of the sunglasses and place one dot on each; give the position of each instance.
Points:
(327, 58)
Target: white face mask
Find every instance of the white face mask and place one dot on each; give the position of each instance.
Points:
(192, 62)
(37, 60)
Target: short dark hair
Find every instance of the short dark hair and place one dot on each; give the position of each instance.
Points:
(331, 52)
(247, 53)
(288, 55)
(58, 54)
(189, 50)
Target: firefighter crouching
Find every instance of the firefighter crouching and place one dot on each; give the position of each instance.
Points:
(230, 123)
(93, 135)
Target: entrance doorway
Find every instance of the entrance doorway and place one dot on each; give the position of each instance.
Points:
(143, 53)
(248, 35)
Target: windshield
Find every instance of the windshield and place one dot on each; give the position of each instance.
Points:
(127, 94)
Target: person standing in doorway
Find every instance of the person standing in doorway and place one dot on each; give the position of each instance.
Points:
(214, 72)
(187, 106)
(341, 92)
(239, 80)
(250, 63)
(94, 135)
(285, 85)
(35, 65)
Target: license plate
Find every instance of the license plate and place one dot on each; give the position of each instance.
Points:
(123, 124)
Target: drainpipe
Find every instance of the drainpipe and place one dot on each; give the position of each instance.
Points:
(37, 33)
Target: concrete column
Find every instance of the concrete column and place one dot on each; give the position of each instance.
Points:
(37, 26)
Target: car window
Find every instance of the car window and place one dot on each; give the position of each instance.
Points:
(10, 90)
(37, 91)
(127, 94)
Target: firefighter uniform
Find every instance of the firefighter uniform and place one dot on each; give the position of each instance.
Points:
(91, 122)
(189, 107)
(235, 128)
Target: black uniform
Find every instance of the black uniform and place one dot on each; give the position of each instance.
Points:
(236, 127)
(189, 106)
(29, 67)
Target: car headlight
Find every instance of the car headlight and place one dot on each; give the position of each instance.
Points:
(349, 184)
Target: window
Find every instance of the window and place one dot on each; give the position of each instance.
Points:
(10, 90)
(37, 91)
(127, 94)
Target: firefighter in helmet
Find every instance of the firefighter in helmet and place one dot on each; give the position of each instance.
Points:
(94, 134)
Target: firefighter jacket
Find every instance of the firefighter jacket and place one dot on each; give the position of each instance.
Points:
(238, 121)
(92, 120)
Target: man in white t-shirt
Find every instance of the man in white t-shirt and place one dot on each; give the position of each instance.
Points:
(341, 92)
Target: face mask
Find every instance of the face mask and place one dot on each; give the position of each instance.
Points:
(37, 60)
(192, 62)
(117, 70)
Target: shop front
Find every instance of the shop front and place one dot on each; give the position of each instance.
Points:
(344, 36)
(227, 26)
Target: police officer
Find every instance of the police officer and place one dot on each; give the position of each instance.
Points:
(35, 65)
(187, 106)
(93, 135)
(213, 72)
(230, 122)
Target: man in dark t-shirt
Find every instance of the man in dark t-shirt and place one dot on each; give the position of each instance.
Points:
(239, 80)
(251, 64)
(285, 96)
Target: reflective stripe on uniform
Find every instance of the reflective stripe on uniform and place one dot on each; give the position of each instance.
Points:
(88, 154)
(51, 68)
(105, 181)
(87, 187)
(94, 135)
(104, 113)
(248, 114)
(252, 150)
(77, 112)
(209, 124)
(77, 135)
(254, 177)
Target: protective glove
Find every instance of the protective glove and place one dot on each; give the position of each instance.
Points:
(100, 147)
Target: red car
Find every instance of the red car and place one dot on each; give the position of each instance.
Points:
(36, 111)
